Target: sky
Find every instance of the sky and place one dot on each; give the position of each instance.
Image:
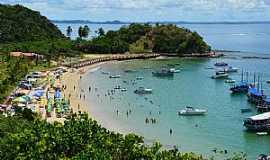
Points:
(150, 10)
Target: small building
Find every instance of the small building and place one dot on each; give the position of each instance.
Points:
(31, 56)
(15, 54)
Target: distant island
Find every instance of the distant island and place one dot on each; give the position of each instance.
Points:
(159, 22)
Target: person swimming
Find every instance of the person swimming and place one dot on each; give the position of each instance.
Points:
(146, 120)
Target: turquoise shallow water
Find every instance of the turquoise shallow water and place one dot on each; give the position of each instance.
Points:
(221, 128)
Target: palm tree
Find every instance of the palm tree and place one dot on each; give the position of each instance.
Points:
(80, 31)
(69, 31)
(86, 31)
(101, 32)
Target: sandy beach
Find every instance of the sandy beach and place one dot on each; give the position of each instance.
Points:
(71, 80)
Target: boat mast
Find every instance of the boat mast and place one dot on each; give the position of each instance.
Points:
(258, 86)
(254, 80)
(262, 85)
(247, 77)
(242, 78)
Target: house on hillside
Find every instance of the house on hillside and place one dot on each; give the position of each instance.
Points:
(30, 56)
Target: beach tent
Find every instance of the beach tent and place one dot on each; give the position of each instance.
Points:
(19, 100)
(21, 105)
(25, 86)
(27, 98)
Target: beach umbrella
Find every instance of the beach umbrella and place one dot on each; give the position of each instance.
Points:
(57, 94)
(38, 93)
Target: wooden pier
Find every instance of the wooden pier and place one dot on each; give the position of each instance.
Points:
(111, 58)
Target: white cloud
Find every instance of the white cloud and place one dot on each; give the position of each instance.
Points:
(156, 9)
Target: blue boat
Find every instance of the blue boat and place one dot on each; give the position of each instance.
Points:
(255, 96)
(221, 64)
(240, 88)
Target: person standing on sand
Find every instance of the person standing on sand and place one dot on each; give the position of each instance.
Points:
(74, 87)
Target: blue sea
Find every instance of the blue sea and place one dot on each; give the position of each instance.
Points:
(221, 128)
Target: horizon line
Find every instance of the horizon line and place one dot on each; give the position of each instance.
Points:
(162, 22)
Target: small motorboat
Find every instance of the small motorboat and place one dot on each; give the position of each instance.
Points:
(163, 73)
(146, 67)
(130, 71)
(123, 89)
(221, 64)
(115, 76)
(230, 81)
(142, 90)
(139, 78)
(174, 70)
(209, 67)
(262, 133)
(190, 111)
(220, 74)
(117, 87)
(231, 69)
(106, 73)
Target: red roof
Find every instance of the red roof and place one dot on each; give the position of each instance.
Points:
(16, 54)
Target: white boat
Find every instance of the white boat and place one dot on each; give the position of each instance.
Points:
(139, 78)
(190, 111)
(123, 89)
(230, 81)
(174, 70)
(258, 123)
(231, 69)
(262, 133)
(142, 90)
(220, 74)
(129, 71)
(103, 72)
(115, 76)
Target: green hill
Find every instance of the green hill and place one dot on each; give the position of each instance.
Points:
(144, 38)
(19, 24)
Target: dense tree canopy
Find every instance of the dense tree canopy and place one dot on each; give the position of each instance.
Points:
(78, 138)
(145, 37)
(18, 24)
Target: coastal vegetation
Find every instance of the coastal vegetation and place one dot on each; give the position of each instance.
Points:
(146, 38)
(20, 24)
(13, 69)
(26, 136)
(25, 30)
